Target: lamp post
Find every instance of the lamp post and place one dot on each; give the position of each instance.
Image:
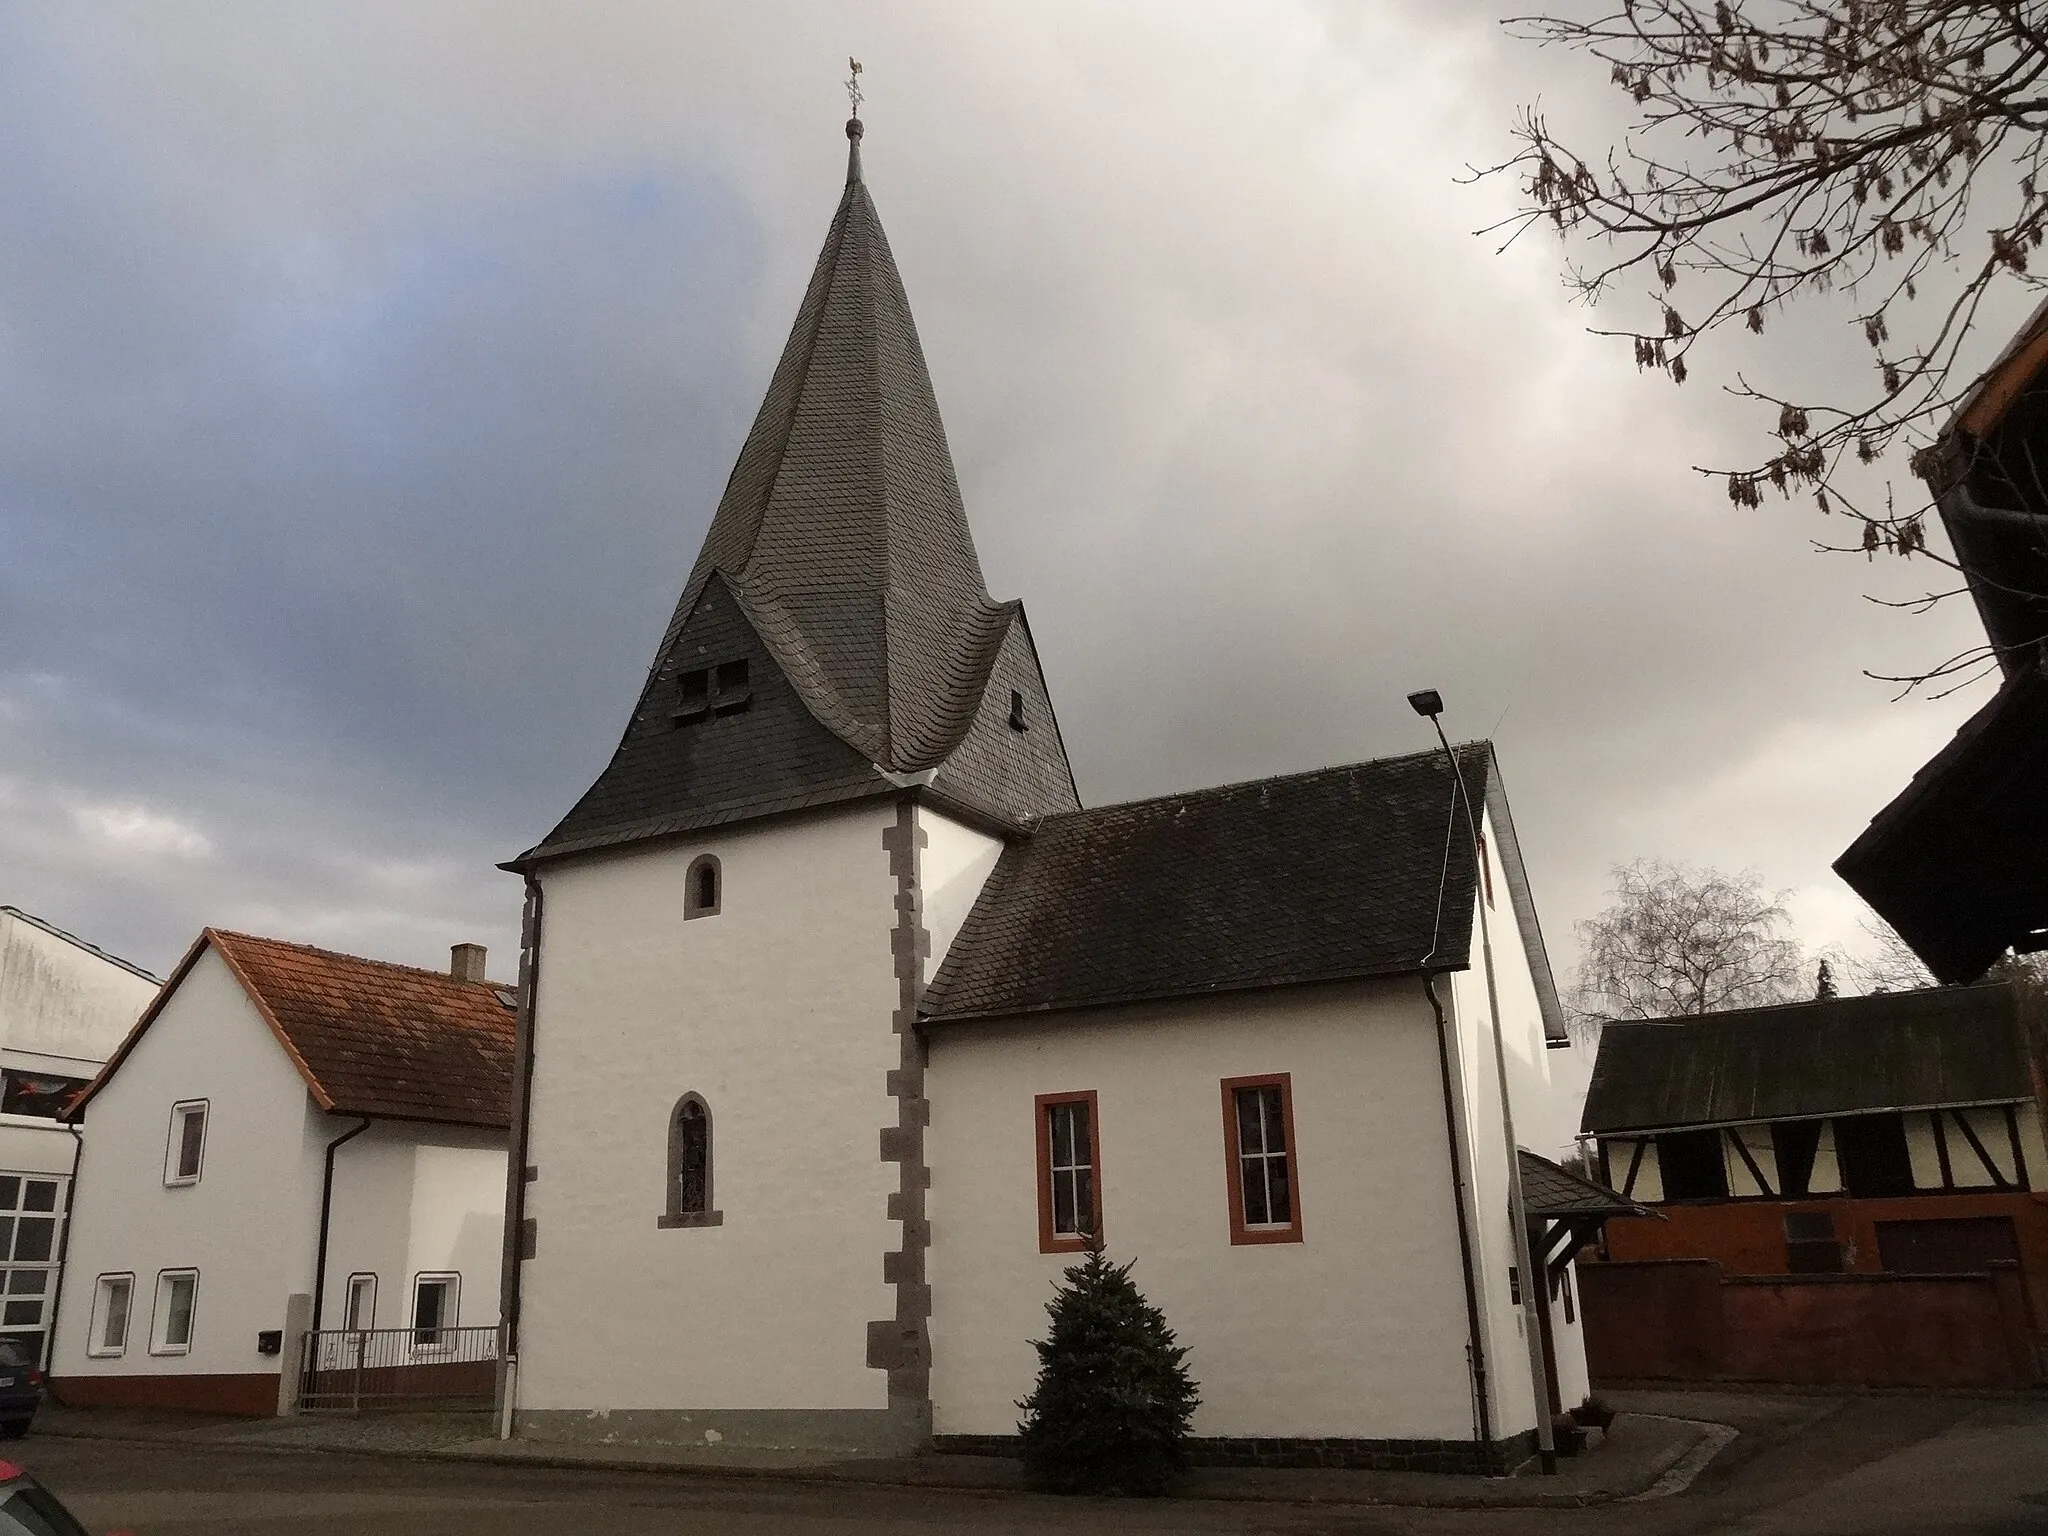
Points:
(1430, 705)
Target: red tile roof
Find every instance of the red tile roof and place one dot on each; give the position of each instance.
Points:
(369, 1037)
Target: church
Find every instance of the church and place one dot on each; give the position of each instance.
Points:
(845, 1026)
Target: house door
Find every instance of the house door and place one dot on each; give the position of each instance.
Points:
(1965, 1246)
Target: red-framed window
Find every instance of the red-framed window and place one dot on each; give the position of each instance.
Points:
(1069, 1171)
(1259, 1155)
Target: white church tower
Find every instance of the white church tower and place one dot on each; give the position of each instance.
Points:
(718, 1215)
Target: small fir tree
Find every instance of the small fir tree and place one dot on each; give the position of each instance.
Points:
(1111, 1410)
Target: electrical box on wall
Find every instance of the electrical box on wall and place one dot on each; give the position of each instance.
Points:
(270, 1342)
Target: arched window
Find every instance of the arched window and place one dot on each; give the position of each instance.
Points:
(705, 887)
(689, 1166)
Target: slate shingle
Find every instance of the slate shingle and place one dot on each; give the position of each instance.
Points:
(843, 543)
(1345, 872)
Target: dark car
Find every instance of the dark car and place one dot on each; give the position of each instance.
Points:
(27, 1508)
(21, 1391)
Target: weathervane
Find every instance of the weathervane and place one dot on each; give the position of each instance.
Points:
(853, 95)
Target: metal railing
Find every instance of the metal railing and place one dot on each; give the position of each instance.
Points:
(346, 1370)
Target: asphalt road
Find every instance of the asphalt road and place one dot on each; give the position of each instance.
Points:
(1872, 1467)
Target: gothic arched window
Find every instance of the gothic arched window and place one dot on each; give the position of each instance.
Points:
(689, 1166)
(704, 887)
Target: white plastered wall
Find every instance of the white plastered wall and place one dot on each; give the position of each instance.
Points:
(777, 1010)
(1356, 1331)
(1539, 1102)
(63, 1009)
(248, 1226)
(955, 864)
(413, 1199)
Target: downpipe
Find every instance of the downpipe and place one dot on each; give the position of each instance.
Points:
(1475, 1347)
(327, 1216)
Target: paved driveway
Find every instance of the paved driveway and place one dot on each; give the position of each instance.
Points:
(1904, 1465)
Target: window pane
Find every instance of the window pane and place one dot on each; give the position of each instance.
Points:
(1253, 1173)
(178, 1328)
(34, 1237)
(28, 1282)
(10, 1193)
(1280, 1206)
(1248, 1138)
(22, 1314)
(41, 1195)
(428, 1304)
(6, 1236)
(115, 1333)
(1269, 1113)
(191, 1135)
(1063, 1203)
(1084, 1200)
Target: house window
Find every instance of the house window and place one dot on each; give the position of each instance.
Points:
(1017, 720)
(1691, 1165)
(1485, 869)
(362, 1303)
(689, 1166)
(1258, 1145)
(177, 1290)
(435, 1299)
(1872, 1152)
(113, 1299)
(30, 1222)
(186, 1153)
(704, 887)
(1810, 1244)
(1069, 1172)
(36, 1093)
(1564, 1293)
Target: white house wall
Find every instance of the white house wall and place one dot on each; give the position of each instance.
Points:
(1356, 1331)
(777, 1011)
(248, 1226)
(61, 1002)
(955, 865)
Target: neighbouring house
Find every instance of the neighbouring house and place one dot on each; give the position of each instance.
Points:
(277, 1106)
(64, 1006)
(1895, 1137)
(1955, 863)
(848, 1025)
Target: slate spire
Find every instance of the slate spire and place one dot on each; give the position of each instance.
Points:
(841, 530)
(834, 640)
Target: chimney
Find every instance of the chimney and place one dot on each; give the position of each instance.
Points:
(466, 962)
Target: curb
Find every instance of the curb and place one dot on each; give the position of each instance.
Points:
(1669, 1474)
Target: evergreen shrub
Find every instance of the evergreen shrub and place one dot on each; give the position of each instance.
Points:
(1114, 1399)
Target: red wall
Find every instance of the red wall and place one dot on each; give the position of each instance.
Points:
(1686, 1320)
(254, 1393)
(1747, 1237)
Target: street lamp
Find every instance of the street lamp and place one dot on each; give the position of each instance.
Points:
(1428, 703)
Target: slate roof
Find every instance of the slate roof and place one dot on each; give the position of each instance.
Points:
(1549, 1190)
(842, 544)
(1848, 1055)
(368, 1037)
(1346, 872)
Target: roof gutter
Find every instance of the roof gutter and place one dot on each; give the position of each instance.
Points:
(327, 1215)
(1475, 1346)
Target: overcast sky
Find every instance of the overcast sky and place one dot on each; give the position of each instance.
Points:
(368, 374)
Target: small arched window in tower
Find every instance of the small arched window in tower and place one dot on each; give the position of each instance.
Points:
(1017, 720)
(704, 887)
(689, 1166)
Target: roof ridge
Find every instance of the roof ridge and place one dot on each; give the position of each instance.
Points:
(85, 944)
(342, 954)
(1801, 1004)
(1297, 776)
